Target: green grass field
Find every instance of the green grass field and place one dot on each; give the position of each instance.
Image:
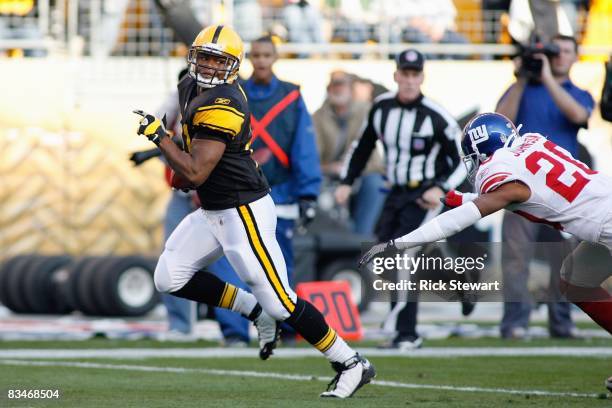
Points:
(297, 381)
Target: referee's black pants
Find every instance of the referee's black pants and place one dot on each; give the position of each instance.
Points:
(401, 215)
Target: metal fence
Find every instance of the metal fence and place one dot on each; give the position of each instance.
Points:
(136, 28)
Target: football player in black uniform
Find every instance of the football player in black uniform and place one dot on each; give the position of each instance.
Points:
(237, 217)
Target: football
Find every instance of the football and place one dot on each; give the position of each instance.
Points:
(179, 182)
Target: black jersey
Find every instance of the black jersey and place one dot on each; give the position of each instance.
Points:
(421, 142)
(222, 113)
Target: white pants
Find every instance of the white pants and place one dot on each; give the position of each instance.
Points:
(590, 264)
(605, 237)
(247, 237)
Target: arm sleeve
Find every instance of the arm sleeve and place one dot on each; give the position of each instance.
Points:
(360, 152)
(220, 122)
(449, 140)
(442, 226)
(305, 166)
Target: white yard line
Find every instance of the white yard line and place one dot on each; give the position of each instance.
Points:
(431, 352)
(285, 376)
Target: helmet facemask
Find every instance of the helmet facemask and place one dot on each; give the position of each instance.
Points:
(218, 75)
(471, 162)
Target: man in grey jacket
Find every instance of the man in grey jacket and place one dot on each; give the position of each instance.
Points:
(338, 123)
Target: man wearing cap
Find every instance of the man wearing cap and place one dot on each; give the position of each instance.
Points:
(421, 144)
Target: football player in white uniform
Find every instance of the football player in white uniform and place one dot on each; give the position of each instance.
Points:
(538, 180)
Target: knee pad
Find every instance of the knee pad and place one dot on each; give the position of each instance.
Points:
(587, 266)
(274, 308)
(170, 274)
(162, 278)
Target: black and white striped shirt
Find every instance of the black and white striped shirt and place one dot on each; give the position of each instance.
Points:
(420, 139)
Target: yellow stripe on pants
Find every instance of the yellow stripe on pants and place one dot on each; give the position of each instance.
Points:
(264, 259)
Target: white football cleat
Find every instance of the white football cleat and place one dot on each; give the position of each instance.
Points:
(268, 331)
(609, 384)
(351, 375)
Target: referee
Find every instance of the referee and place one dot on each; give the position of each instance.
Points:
(421, 145)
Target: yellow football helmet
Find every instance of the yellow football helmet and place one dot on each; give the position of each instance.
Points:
(215, 56)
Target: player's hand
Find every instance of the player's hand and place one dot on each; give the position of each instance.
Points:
(375, 250)
(308, 210)
(151, 127)
(456, 198)
(430, 198)
(342, 193)
(546, 73)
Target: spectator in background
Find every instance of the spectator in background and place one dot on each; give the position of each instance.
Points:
(338, 124)
(545, 102)
(420, 21)
(544, 18)
(351, 22)
(303, 22)
(432, 21)
(284, 146)
(112, 16)
(248, 21)
(118, 23)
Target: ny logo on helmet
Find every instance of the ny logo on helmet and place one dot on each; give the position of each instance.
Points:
(479, 134)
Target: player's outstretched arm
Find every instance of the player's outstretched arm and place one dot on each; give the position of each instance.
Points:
(457, 219)
(442, 226)
(504, 195)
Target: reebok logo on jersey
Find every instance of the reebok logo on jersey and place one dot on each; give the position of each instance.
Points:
(222, 101)
(479, 134)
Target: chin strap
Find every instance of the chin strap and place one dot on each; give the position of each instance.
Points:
(442, 226)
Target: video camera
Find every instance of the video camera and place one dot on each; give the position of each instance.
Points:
(530, 66)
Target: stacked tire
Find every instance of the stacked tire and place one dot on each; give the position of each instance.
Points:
(95, 286)
(31, 284)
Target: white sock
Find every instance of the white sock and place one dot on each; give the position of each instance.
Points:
(244, 302)
(339, 352)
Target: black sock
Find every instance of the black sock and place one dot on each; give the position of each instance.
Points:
(255, 313)
(310, 324)
(203, 287)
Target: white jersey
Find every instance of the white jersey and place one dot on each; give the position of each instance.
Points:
(565, 193)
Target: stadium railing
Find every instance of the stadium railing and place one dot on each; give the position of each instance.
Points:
(74, 27)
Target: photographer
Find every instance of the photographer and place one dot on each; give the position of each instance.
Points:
(543, 100)
(548, 102)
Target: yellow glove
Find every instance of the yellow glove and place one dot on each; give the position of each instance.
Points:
(151, 127)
